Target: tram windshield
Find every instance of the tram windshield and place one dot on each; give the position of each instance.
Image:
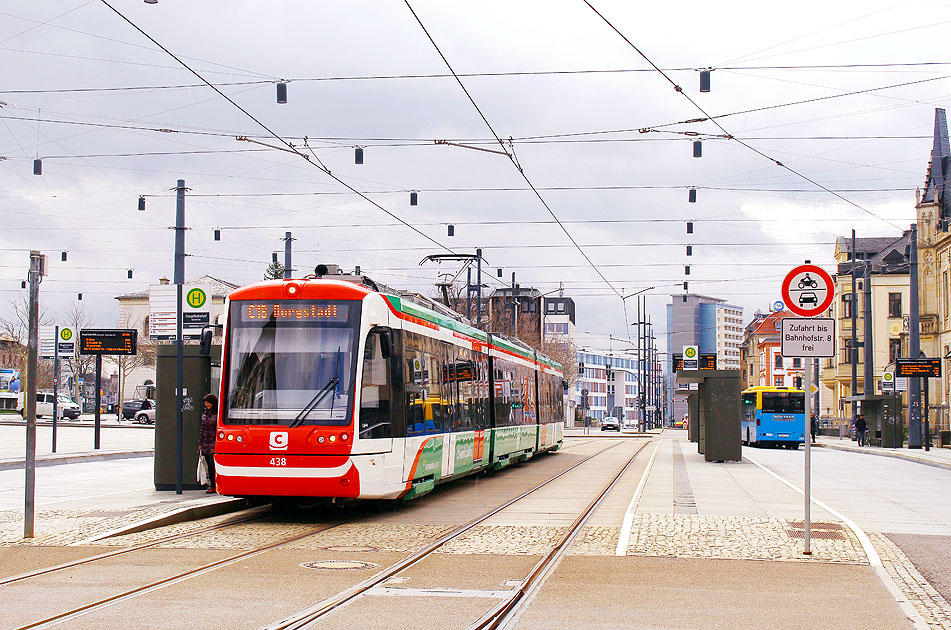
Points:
(291, 362)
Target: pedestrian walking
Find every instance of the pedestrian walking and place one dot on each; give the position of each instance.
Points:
(813, 426)
(860, 429)
(206, 436)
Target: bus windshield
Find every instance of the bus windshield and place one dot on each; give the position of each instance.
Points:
(291, 362)
(784, 402)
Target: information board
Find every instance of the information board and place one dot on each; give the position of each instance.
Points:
(928, 368)
(808, 337)
(108, 341)
(707, 362)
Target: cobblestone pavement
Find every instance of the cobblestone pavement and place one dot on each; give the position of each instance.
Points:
(510, 540)
(926, 600)
(741, 538)
(66, 527)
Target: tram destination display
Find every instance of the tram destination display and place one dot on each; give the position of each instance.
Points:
(294, 310)
(108, 341)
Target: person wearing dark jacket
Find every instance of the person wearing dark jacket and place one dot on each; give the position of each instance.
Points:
(860, 428)
(206, 436)
(813, 426)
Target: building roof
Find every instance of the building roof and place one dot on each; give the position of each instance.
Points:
(522, 292)
(938, 176)
(219, 288)
(888, 254)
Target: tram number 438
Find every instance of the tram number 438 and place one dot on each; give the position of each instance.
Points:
(278, 461)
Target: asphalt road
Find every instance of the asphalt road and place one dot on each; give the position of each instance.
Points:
(931, 555)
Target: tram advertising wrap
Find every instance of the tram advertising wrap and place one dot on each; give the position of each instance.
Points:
(332, 389)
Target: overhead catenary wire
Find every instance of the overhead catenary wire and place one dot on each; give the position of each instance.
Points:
(680, 91)
(273, 133)
(507, 150)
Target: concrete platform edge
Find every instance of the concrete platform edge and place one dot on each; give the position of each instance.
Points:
(894, 454)
(56, 460)
(190, 513)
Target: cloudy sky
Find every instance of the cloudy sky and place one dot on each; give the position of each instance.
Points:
(601, 134)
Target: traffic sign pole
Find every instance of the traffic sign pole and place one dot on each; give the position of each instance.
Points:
(55, 384)
(807, 482)
(808, 291)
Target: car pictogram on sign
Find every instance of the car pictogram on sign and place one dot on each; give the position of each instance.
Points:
(808, 298)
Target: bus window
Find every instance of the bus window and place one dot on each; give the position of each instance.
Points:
(749, 407)
(784, 402)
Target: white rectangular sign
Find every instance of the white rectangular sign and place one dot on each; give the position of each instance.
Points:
(808, 337)
(163, 305)
(691, 357)
(47, 342)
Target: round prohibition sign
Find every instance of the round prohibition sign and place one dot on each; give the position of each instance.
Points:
(808, 290)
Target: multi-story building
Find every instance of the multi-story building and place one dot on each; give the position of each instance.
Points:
(880, 266)
(764, 363)
(708, 322)
(749, 356)
(933, 213)
(611, 380)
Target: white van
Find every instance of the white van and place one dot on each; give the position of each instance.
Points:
(44, 406)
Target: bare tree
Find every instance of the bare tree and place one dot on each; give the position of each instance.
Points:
(15, 323)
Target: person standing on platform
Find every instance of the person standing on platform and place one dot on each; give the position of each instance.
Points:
(813, 426)
(206, 436)
(860, 429)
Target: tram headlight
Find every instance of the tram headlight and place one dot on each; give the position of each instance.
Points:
(230, 437)
(240, 438)
(221, 435)
(333, 438)
(344, 437)
(320, 440)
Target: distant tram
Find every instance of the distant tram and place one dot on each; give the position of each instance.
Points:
(332, 388)
(773, 416)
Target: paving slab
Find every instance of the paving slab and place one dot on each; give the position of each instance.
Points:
(588, 593)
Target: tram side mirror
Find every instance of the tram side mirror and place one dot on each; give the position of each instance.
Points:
(386, 341)
(204, 345)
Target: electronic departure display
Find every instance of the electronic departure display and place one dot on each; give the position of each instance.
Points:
(707, 362)
(108, 341)
(293, 310)
(928, 368)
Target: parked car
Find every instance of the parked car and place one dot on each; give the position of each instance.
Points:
(44, 406)
(610, 424)
(131, 407)
(146, 416)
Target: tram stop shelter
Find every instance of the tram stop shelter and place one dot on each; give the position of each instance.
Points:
(882, 417)
(715, 409)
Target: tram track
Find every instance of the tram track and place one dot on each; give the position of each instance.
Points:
(85, 609)
(325, 607)
(255, 515)
(505, 609)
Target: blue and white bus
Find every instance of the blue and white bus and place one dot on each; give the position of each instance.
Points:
(774, 416)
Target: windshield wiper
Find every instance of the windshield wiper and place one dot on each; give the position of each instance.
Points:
(318, 397)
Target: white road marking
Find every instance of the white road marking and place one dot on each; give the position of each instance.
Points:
(873, 558)
(625, 538)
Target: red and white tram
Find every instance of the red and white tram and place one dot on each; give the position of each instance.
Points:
(332, 389)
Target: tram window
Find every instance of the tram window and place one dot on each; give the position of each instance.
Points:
(376, 399)
(425, 401)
